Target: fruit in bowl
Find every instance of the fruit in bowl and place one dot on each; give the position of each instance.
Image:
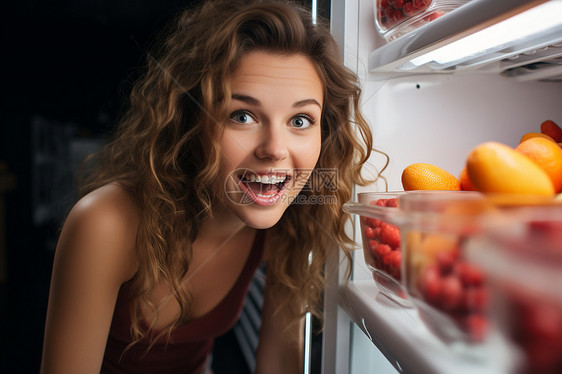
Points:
(535, 326)
(523, 265)
(384, 242)
(380, 231)
(450, 291)
(450, 285)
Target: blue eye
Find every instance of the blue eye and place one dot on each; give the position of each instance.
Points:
(301, 121)
(242, 117)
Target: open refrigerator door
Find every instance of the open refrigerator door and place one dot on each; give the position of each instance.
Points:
(430, 97)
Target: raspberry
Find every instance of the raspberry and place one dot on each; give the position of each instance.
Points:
(393, 262)
(372, 250)
(392, 203)
(369, 232)
(446, 260)
(469, 274)
(430, 284)
(381, 250)
(409, 9)
(373, 222)
(377, 232)
(373, 244)
(390, 235)
(475, 299)
(419, 4)
(451, 292)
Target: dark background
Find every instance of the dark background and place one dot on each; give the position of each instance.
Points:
(66, 68)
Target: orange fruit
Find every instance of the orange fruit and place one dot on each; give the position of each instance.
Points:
(422, 176)
(551, 129)
(497, 168)
(464, 180)
(547, 155)
(531, 135)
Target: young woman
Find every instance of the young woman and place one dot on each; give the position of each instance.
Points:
(241, 143)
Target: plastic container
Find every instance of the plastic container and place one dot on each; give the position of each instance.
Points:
(449, 291)
(522, 260)
(394, 18)
(380, 231)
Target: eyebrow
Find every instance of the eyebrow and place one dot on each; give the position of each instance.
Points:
(253, 101)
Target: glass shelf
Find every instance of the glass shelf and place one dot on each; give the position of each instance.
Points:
(396, 56)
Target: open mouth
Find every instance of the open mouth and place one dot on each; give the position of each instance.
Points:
(264, 189)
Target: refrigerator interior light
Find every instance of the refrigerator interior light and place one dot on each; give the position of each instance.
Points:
(505, 34)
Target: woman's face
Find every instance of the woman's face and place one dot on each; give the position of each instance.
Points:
(272, 140)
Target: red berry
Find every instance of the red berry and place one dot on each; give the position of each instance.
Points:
(389, 12)
(390, 235)
(381, 250)
(372, 252)
(396, 16)
(469, 274)
(393, 262)
(542, 227)
(446, 261)
(476, 299)
(419, 4)
(377, 232)
(369, 232)
(399, 4)
(373, 222)
(451, 292)
(392, 203)
(409, 9)
(383, 3)
(551, 231)
(372, 245)
(430, 284)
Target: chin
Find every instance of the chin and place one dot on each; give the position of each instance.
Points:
(259, 218)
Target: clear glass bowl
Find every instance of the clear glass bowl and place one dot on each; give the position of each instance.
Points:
(394, 18)
(449, 291)
(381, 237)
(522, 260)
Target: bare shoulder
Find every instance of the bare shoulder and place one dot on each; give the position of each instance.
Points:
(102, 226)
(110, 202)
(95, 255)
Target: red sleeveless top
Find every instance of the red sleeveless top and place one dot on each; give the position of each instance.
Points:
(189, 346)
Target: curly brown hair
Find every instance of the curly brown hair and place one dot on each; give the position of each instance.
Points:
(166, 149)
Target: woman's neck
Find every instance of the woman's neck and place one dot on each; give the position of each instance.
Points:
(221, 227)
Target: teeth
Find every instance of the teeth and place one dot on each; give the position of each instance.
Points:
(266, 179)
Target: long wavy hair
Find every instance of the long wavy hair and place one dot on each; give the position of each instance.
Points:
(166, 150)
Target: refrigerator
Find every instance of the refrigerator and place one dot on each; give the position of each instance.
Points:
(429, 109)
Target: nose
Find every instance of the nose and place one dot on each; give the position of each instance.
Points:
(273, 144)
